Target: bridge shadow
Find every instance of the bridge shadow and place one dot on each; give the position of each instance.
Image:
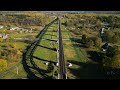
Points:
(28, 63)
(87, 70)
(96, 56)
(51, 40)
(76, 40)
(30, 74)
(51, 35)
(54, 49)
(78, 45)
(41, 71)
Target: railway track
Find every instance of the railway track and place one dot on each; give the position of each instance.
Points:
(61, 63)
(28, 54)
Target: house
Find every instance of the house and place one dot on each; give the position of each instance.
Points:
(102, 31)
(105, 46)
(82, 19)
(56, 64)
(4, 36)
(69, 64)
(15, 28)
(30, 31)
(26, 31)
(12, 29)
(1, 27)
(47, 63)
(105, 24)
(0, 35)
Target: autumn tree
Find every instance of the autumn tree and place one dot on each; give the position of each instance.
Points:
(3, 64)
(89, 43)
(111, 51)
(112, 65)
(50, 67)
(115, 38)
(1, 40)
(97, 42)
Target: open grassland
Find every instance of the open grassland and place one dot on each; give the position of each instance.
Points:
(46, 52)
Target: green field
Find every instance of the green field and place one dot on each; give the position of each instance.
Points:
(45, 52)
(21, 35)
(12, 74)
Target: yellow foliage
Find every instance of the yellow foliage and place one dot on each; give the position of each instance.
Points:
(117, 56)
(116, 64)
(116, 61)
(1, 39)
(18, 52)
(3, 64)
(14, 45)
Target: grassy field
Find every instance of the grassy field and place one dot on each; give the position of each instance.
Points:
(73, 54)
(21, 35)
(84, 63)
(13, 73)
(82, 67)
(44, 53)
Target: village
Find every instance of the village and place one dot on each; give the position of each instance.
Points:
(15, 30)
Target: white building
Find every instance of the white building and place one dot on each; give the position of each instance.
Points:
(4, 36)
(30, 31)
(102, 31)
(15, 28)
(0, 35)
(1, 27)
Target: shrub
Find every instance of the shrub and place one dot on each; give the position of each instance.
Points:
(3, 64)
(111, 51)
(89, 43)
(84, 39)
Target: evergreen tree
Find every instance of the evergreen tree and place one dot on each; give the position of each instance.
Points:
(84, 39)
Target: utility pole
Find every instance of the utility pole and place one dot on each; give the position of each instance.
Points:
(17, 70)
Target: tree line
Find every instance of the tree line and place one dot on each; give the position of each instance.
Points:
(25, 19)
